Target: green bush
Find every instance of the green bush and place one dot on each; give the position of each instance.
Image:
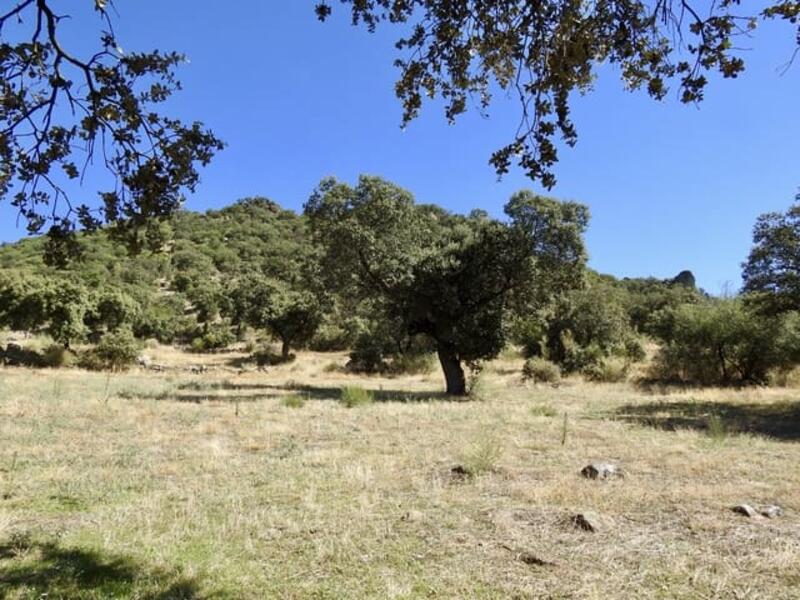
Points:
(214, 337)
(293, 401)
(724, 342)
(117, 351)
(483, 456)
(538, 370)
(353, 396)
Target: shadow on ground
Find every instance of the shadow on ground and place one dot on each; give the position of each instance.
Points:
(334, 393)
(196, 392)
(46, 570)
(780, 420)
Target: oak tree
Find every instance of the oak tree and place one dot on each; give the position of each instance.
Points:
(446, 276)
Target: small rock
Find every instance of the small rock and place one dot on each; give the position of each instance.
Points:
(588, 521)
(745, 509)
(772, 511)
(601, 471)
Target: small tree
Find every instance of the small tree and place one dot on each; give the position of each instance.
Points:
(23, 303)
(723, 342)
(445, 276)
(67, 306)
(291, 315)
(117, 351)
(772, 271)
(110, 310)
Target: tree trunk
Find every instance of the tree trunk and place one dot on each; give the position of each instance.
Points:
(453, 373)
(285, 350)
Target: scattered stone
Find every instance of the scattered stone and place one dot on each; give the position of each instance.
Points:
(771, 511)
(601, 471)
(197, 369)
(589, 521)
(746, 510)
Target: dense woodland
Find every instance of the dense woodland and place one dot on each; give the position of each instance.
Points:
(367, 270)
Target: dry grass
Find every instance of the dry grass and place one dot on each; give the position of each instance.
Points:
(207, 486)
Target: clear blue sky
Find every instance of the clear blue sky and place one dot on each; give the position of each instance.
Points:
(670, 186)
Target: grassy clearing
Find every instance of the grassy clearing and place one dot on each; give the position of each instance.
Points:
(175, 485)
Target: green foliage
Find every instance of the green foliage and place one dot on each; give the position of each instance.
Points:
(448, 277)
(725, 342)
(353, 396)
(292, 315)
(217, 336)
(67, 306)
(482, 456)
(114, 98)
(111, 310)
(581, 328)
(546, 52)
(772, 271)
(540, 370)
(117, 351)
(293, 401)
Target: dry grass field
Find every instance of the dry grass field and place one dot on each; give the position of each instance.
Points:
(229, 484)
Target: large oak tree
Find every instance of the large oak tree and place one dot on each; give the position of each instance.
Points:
(446, 276)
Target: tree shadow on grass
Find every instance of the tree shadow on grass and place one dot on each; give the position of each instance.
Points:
(780, 420)
(200, 393)
(335, 393)
(38, 570)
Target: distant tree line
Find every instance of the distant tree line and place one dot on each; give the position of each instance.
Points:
(368, 270)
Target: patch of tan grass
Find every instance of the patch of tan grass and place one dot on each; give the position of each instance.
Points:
(208, 482)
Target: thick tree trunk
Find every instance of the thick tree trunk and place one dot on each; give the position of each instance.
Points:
(453, 373)
(285, 350)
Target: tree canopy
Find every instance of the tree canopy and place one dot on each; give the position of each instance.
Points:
(465, 51)
(772, 271)
(60, 111)
(448, 277)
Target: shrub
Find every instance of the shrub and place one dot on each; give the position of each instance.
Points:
(609, 370)
(476, 385)
(353, 396)
(117, 351)
(540, 370)
(56, 356)
(482, 457)
(293, 401)
(213, 337)
(725, 342)
(543, 410)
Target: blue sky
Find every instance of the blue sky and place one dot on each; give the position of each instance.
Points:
(670, 186)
